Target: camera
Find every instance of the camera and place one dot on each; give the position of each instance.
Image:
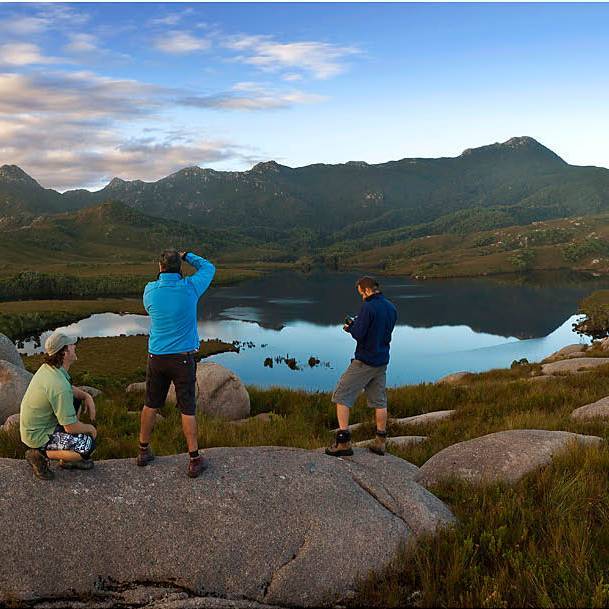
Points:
(348, 320)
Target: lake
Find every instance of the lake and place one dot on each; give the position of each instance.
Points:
(444, 326)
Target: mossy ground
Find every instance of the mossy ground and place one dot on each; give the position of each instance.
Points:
(543, 541)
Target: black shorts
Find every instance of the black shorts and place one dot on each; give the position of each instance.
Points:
(161, 371)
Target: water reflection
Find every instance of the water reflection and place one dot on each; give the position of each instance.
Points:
(444, 326)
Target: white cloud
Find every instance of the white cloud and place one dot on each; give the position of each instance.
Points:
(178, 42)
(82, 43)
(23, 54)
(321, 60)
(292, 77)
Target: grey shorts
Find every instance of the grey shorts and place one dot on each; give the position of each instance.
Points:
(357, 377)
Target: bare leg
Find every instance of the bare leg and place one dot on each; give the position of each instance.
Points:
(342, 414)
(189, 427)
(64, 455)
(147, 421)
(380, 414)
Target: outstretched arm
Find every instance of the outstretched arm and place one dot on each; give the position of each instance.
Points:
(205, 271)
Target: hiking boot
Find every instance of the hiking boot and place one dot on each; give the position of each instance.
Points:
(39, 463)
(342, 445)
(145, 456)
(196, 465)
(378, 444)
(82, 464)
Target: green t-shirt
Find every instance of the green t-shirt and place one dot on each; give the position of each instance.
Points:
(48, 401)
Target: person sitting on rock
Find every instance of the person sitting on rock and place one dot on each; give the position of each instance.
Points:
(48, 421)
(372, 330)
(171, 301)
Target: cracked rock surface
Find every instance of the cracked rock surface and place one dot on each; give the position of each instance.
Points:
(268, 525)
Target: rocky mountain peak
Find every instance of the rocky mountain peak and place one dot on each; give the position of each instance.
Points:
(266, 167)
(13, 173)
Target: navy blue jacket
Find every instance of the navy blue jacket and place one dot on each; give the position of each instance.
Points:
(372, 330)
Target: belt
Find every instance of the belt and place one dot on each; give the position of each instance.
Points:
(172, 354)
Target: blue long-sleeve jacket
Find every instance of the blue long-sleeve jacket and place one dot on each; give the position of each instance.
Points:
(372, 330)
(171, 302)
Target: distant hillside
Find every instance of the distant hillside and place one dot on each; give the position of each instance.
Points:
(518, 181)
(110, 231)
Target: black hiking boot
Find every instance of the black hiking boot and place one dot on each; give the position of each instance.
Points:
(342, 445)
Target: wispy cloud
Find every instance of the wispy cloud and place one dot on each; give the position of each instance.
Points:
(77, 94)
(249, 96)
(180, 42)
(319, 59)
(172, 18)
(23, 54)
(44, 18)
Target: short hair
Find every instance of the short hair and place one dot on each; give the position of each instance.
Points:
(55, 360)
(170, 261)
(367, 283)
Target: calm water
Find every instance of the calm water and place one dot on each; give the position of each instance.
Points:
(443, 327)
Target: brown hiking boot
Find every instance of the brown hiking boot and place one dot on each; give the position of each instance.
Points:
(82, 464)
(145, 456)
(39, 463)
(196, 465)
(342, 445)
(378, 444)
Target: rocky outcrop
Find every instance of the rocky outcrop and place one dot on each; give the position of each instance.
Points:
(505, 456)
(570, 366)
(14, 380)
(11, 421)
(574, 350)
(272, 525)
(219, 392)
(424, 419)
(92, 391)
(596, 410)
(8, 351)
(454, 378)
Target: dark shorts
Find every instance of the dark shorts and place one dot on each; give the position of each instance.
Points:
(81, 443)
(161, 371)
(360, 377)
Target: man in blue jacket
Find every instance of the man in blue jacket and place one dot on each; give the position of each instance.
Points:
(171, 302)
(372, 330)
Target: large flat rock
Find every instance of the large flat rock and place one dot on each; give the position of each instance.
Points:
(272, 525)
(572, 365)
(504, 456)
(8, 351)
(596, 410)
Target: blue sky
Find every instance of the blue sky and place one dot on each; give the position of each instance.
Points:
(92, 91)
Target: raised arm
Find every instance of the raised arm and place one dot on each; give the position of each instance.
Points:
(205, 272)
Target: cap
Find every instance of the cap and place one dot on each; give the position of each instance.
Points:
(57, 341)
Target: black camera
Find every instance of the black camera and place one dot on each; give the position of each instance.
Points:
(348, 320)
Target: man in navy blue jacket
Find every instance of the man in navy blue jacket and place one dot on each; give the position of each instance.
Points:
(171, 301)
(372, 330)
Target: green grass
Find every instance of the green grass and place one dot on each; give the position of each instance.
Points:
(543, 541)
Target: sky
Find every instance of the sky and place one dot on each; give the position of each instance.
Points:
(90, 91)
